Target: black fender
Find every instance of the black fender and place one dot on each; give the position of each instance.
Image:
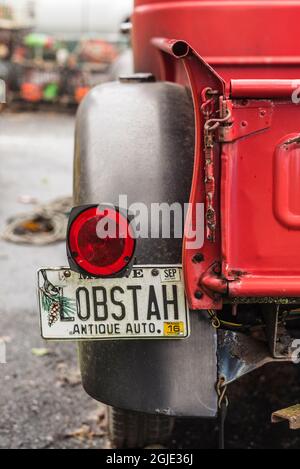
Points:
(137, 139)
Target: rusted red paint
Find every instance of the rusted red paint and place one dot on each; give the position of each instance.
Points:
(240, 49)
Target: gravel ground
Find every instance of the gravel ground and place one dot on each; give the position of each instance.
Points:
(42, 404)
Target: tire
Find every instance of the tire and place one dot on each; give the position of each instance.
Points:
(133, 430)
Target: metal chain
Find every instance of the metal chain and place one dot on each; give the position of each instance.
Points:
(208, 107)
(209, 97)
(215, 321)
(222, 391)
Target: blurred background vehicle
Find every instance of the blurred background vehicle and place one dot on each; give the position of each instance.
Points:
(73, 17)
(12, 32)
(61, 71)
(55, 52)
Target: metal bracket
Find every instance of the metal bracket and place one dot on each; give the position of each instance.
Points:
(212, 282)
(291, 415)
(239, 354)
(248, 118)
(280, 342)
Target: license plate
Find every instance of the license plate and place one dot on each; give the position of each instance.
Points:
(148, 304)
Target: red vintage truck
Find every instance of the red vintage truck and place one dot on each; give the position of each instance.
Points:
(210, 123)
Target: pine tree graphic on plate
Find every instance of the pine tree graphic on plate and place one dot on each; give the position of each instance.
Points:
(54, 314)
(55, 304)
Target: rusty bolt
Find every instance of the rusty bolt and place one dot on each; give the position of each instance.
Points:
(198, 258)
(199, 295)
(155, 272)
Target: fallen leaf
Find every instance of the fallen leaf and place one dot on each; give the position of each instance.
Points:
(98, 416)
(85, 433)
(41, 352)
(95, 426)
(66, 376)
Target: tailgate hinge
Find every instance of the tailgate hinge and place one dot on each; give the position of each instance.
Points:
(212, 107)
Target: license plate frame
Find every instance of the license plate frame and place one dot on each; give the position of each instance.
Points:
(70, 308)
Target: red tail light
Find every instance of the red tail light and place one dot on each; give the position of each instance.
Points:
(101, 241)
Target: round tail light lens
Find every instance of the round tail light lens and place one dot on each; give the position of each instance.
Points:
(101, 241)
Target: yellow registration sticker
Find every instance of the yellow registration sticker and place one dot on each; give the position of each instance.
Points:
(174, 329)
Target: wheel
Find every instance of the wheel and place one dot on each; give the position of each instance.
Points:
(131, 430)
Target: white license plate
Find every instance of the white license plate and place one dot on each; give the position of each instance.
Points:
(149, 304)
